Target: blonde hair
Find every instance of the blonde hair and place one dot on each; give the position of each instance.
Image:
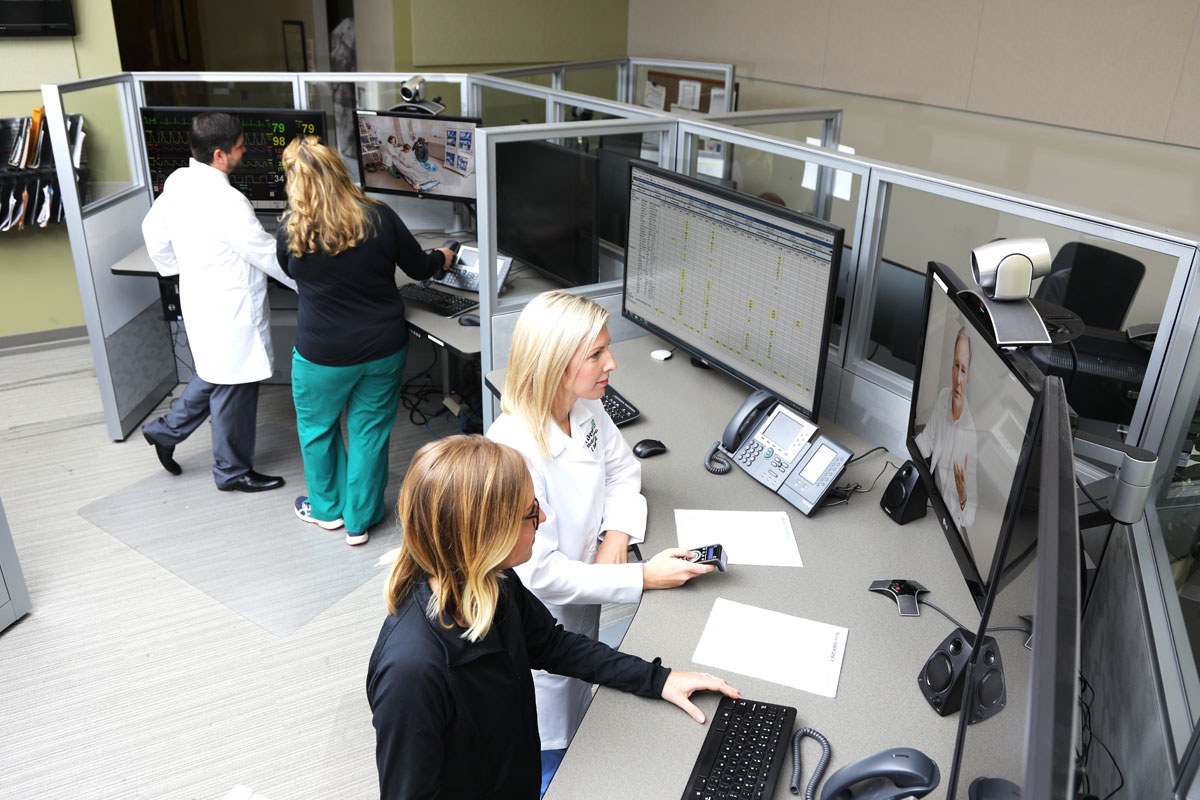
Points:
(460, 508)
(548, 334)
(326, 211)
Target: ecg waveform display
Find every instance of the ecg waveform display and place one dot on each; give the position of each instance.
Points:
(267, 132)
(746, 287)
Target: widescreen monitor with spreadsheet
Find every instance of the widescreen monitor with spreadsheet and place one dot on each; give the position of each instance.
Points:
(744, 284)
(267, 131)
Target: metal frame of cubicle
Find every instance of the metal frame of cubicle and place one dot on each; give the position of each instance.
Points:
(867, 399)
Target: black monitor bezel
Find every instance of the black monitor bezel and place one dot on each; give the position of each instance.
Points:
(317, 114)
(531, 261)
(771, 209)
(362, 169)
(1052, 713)
(1019, 365)
(1052, 729)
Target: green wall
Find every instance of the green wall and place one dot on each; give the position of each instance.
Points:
(38, 290)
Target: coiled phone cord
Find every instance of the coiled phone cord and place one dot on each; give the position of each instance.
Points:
(716, 461)
(811, 791)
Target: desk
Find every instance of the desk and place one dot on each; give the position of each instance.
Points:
(628, 747)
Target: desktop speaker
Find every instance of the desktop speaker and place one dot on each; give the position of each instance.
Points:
(905, 497)
(943, 678)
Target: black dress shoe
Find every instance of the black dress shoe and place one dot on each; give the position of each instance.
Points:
(252, 482)
(165, 455)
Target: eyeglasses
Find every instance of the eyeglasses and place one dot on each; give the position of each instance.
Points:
(534, 515)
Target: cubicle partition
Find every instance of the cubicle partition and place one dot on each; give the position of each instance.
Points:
(135, 366)
(896, 221)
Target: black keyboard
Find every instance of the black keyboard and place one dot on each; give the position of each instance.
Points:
(619, 410)
(435, 300)
(743, 752)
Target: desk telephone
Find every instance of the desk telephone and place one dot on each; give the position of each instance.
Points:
(776, 446)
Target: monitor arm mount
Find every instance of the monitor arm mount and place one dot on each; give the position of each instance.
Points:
(1129, 486)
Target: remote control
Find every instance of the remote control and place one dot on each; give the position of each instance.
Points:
(709, 554)
(905, 593)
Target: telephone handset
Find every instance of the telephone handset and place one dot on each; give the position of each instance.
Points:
(753, 409)
(740, 424)
(889, 775)
(776, 446)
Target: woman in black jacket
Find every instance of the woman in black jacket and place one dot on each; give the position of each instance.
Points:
(449, 681)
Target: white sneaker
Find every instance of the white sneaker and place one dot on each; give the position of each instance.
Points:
(353, 539)
(304, 512)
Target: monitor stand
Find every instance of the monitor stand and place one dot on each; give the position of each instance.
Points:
(460, 221)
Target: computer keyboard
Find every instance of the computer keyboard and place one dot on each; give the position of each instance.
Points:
(619, 410)
(743, 751)
(435, 300)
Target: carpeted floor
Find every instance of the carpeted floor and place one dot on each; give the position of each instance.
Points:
(249, 552)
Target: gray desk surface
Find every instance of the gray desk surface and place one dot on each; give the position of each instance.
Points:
(630, 747)
(443, 331)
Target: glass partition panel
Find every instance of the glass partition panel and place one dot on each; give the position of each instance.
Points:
(595, 81)
(1177, 509)
(671, 88)
(1119, 290)
(219, 94)
(508, 108)
(338, 101)
(105, 167)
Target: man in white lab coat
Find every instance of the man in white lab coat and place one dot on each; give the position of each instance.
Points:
(204, 230)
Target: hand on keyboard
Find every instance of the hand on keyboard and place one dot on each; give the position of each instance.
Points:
(681, 685)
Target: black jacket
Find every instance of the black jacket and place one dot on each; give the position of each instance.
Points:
(350, 310)
(456, 719)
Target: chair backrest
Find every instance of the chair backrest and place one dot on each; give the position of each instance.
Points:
(1099, 284)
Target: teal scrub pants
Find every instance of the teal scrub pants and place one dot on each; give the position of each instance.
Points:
(347, 479)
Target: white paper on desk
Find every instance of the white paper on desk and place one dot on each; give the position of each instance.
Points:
(775, 647)
(762, 538)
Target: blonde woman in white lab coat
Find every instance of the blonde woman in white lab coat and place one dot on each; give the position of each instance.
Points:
(589, 485)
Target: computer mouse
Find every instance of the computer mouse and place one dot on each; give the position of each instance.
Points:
(649, 447)
(469, 319)
(660, 355)
(993, 789)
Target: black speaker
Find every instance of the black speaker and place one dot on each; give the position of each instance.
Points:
(943, 678)
(905, 497)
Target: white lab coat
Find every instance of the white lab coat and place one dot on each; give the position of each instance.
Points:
(591, 483)
(203, 230)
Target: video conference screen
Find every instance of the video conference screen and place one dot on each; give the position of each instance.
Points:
(416, 154)
(970, 415)
(267, 130)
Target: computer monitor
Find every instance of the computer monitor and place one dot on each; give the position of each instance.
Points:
(416, 154)
(546, 210)
(1050, 597)
(968, 422)
(742, 283)
(268, 131)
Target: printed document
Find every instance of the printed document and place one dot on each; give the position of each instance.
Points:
(775, 647)
(763, 538)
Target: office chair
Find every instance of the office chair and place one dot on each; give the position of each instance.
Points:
(1097, 284)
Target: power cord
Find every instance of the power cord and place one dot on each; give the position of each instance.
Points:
(1083, 786)
(841, 494)
(810, 791)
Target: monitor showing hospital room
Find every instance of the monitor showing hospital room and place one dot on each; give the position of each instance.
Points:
(416, 154)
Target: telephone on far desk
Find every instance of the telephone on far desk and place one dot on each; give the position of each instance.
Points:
(776, 446)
